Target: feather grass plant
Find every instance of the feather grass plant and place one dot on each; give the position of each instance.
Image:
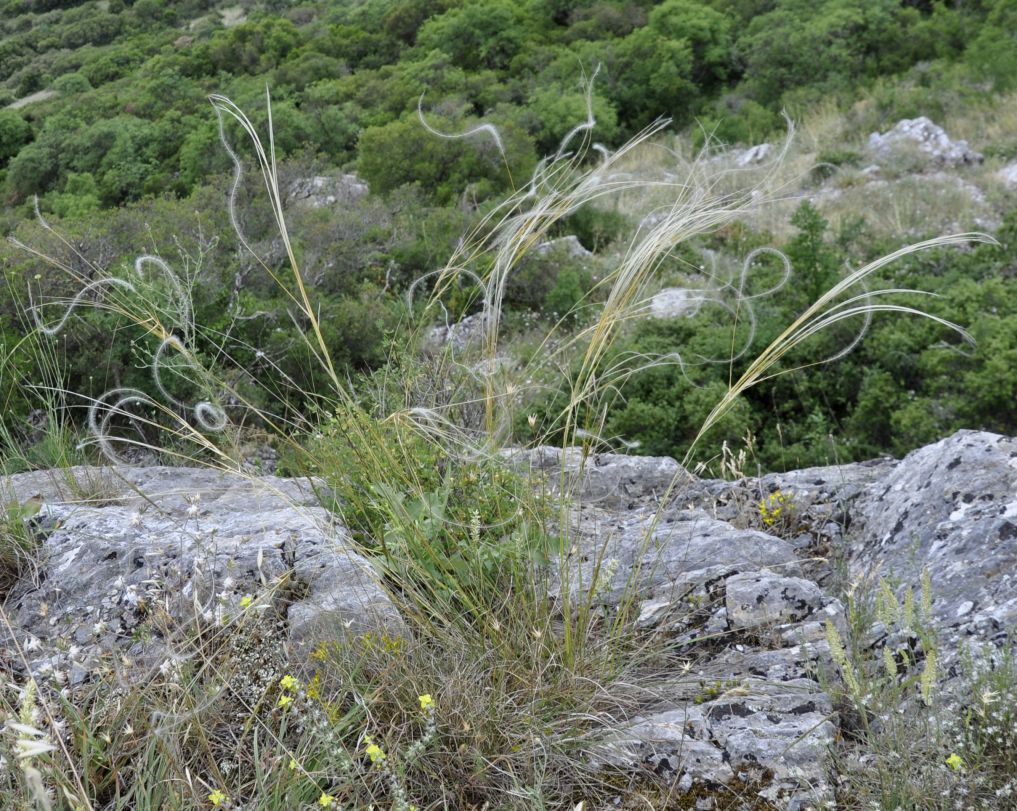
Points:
(525, 674)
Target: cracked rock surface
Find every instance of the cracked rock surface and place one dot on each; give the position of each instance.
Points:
(949, 509)
(133, 555)
(760, 604)
(751, 719)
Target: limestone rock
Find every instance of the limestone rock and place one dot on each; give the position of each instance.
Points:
(930, 140)
(770, 737)
(569, 245)
(1008, 176)
(950, 508)
(468, 333)
(161, 548)
(754, 155)
(762, 599)
(327, 191)
(609, 480)
(132, 556)
(675, 302)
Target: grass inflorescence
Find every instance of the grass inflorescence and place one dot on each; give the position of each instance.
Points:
(496, 695)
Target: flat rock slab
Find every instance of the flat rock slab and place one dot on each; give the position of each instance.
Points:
(668, 557)
(132, 556)
(607, 480)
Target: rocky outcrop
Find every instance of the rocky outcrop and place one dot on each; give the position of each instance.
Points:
(569, 246)
(327, 191)
(949, 509)
(463, 335)
(753, 156)
(1008, 176)
(745, 596)
(131, 557)
(924, 137)
(675, 302)
(610, 480)
(757, 740)
(753, 714)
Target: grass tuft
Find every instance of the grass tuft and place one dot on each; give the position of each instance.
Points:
(512, 666)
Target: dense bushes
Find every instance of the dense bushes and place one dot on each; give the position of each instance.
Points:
(908, 383)
(353, 70)
(128, 127)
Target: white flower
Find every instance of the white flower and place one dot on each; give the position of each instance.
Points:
(170, 668)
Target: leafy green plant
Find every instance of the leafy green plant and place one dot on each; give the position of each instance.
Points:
(458, 530)
(18, 541)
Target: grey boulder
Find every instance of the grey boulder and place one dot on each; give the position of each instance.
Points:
(928, 139)
(154, 551)
(949, 508)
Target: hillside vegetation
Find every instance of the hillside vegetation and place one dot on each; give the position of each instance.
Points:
(108, 124)
(127, 116)
(423, 260)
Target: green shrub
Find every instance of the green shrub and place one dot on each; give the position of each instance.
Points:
(33, 169)
(478, 35)
(72, 84)
(785, 49)
(18, 545)
(15, 132)
(596, 228)
(571, 286)
(646, 76)
(405, 152)
(708, 33)
(79, 198)
(993, 52)
(556, 112)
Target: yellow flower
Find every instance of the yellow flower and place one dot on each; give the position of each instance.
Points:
(326, 800)
(217, 798)
(426, 702)
(955, 762)
(375, 753)
(293, 764)
(287, 682)
(284, 700)
(246, 600)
